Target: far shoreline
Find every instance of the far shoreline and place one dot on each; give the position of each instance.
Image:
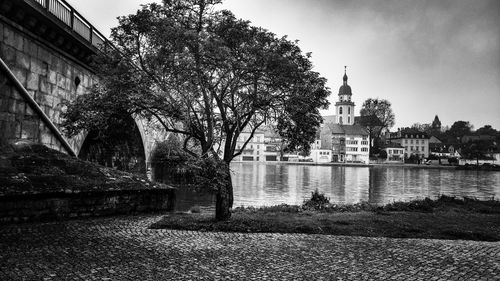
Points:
(361, 165)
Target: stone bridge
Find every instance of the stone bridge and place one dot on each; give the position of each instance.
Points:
(45, 54)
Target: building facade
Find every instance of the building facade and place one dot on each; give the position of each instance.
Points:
(416, 143)
(320, 153)
(264, 146)
(254, 150)
(347, 141)
(395, 152)
(350, 144)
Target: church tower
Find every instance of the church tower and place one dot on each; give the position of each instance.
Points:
(345, 107)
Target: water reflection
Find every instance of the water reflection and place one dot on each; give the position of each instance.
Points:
(270, 184)
(258, 184)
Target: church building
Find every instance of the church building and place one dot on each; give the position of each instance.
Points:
(348, 141)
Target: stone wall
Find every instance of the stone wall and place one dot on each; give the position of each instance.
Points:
(35, 207)
(49, 75)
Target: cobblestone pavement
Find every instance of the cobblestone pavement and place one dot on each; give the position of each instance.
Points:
(124, 249)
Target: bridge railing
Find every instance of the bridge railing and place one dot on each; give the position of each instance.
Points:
(65, 13)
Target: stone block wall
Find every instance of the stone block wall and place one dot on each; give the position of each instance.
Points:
(36, 207)
(49, 75)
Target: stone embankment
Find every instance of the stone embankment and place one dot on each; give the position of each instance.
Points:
(38, 183)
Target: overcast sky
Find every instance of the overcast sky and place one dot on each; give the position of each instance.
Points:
(426, 57)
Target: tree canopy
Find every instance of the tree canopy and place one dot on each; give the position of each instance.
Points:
(460, 129)
(487, 130)
(207, 76)
(382, 109)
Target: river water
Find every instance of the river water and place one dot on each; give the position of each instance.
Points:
(260, 184)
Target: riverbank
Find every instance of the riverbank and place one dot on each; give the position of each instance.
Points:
(333, 164)
(415, 166)
(444, 218)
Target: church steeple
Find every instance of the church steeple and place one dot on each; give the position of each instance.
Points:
(345, 75)
(345, 107)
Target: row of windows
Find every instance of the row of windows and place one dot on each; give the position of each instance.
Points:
(348, 110)
(416, 141)
(363, 149)
(251, 146)
(254, 139)
(324, 153)
(355, 142)
(416, 136)
(411, 148)
(395, 151)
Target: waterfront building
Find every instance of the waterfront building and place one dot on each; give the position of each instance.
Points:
(415, 142)
(395, 152)
(254, 150)
(348, 141)
(321, 152)
(272, 145)
(264, 146)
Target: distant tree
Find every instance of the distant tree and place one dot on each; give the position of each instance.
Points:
(478, 149)
(422, 127)
(204, 74)
(459, 129)
(373, 125)
(382, 154)
(382, 109)
(487, 130)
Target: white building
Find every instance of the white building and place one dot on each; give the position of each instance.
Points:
(415, 142)
(350, 143)
(264, 146)
(254, 150)
(319, 153)
(347, 141)
(395, 152)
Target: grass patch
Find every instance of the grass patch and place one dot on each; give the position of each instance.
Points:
(444, 218)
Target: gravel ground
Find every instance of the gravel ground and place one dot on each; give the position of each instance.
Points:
(122, 248)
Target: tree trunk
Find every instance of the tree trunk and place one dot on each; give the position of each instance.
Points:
(222, 208)
(224, 199)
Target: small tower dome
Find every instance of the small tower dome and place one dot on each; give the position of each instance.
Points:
(345, 89)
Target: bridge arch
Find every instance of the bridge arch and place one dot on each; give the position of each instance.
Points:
(120, 146)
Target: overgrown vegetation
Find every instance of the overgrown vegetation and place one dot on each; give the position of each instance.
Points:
(318, 201)
(443, 218)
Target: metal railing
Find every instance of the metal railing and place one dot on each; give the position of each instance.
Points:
(71, 18)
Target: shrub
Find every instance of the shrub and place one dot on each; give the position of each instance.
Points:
(382, 154)
(318, 201)
(195, 210)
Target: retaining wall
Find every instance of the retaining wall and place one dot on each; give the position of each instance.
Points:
(35, 207)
